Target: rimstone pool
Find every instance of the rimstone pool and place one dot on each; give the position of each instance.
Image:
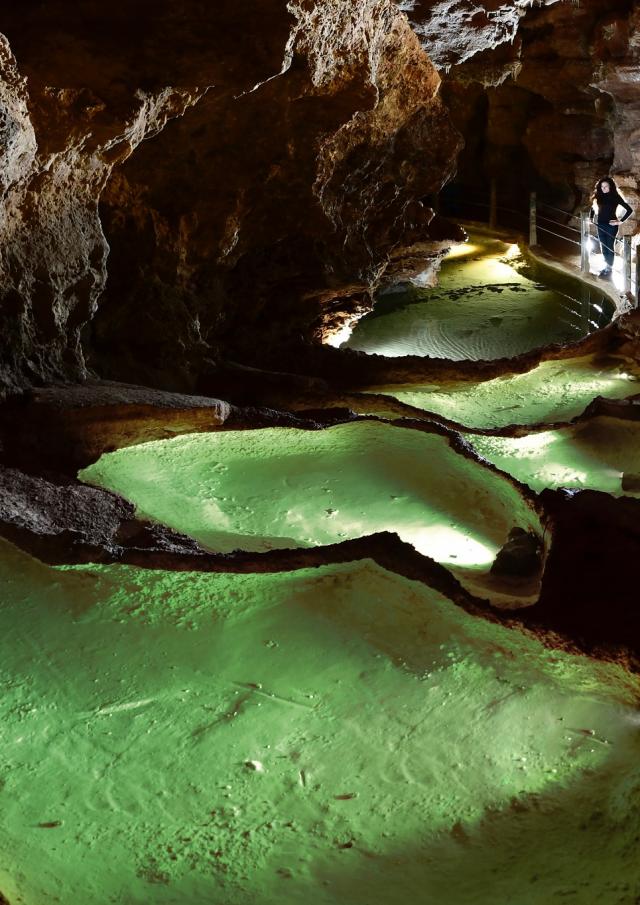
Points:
(334, 734)
(489, 303)
(343, 733)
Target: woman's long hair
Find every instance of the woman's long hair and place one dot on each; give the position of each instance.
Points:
(613, 193)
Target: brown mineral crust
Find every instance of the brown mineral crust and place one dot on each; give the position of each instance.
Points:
(591, 537)
(384, 548)
(589, 585)
(555, 109)
(63, 428)
(351, 369)
(60, 429)
(72, 524)
(273, 213)
(369, 403)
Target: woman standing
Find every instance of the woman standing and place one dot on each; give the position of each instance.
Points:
(607, 199)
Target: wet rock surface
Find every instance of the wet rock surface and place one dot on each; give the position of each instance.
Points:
(521, 556)
(329, 117)
(192, 197)
(64, 427)
(593, 537)
(553, 109)
(308, 111)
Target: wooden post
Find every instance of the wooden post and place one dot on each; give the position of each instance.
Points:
(626, 264)
(584, 241)
(493, 204)
(533, 230)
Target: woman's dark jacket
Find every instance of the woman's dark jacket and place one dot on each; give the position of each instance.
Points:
(607, 208)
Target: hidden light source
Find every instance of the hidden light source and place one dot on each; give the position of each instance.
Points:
(462, 250)
(340, 336)
(448, 545)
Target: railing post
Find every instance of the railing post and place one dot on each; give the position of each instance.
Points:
(626, 264)
(584, 241)
(533, 230)
(585, 307)
(493, 204)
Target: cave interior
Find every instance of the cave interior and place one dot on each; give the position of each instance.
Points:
(320, 508)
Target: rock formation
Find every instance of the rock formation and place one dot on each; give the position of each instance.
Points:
(186, 194)
(193, 196)
(293, 155)
(543, 95)
(453, 31)
(63, 132)
(313, 132)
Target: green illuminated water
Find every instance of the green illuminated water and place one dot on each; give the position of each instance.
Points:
(553, 392)
(333, 735)
(484, 307)
(258, 490)
(597, 454)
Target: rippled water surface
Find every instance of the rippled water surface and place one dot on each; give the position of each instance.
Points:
(555, 391)
(487, 305)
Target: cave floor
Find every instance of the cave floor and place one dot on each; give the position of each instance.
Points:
(331, 735)
(601, 453)
(263, 733)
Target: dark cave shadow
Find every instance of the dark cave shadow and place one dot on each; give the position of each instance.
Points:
(514, 856)
(562, 845)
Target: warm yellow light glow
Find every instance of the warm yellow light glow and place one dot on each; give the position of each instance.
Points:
(447, 545)
(536, 443)
(461, 251)
(340, 336)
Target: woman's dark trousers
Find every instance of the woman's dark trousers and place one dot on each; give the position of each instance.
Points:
(607, 235)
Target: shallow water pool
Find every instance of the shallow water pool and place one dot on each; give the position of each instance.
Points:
(330, 735)
(486, 305)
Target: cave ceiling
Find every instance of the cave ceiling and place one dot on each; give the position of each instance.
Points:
(283, 156)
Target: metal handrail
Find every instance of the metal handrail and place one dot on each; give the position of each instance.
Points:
(561, 225)
(511, 210)
(564, 238)
(630, 259)
(560, 211)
